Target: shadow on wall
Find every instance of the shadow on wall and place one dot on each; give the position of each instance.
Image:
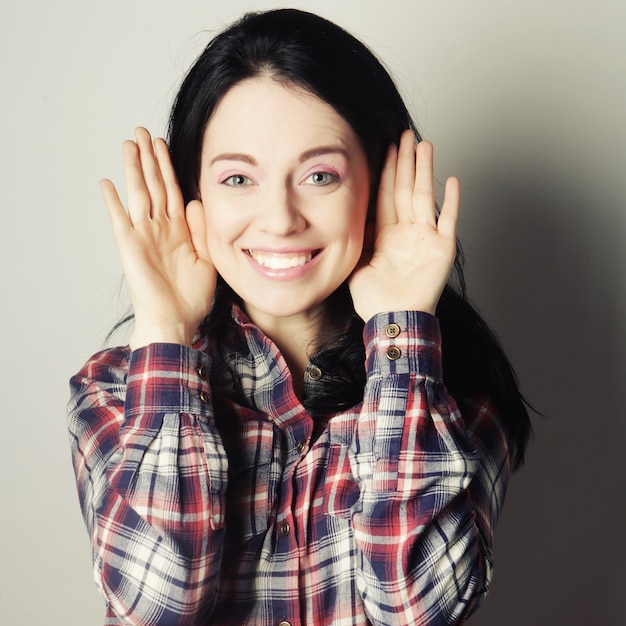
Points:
(544, 266)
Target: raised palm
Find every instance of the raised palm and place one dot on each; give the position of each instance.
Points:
(162, 245)
(413, 249)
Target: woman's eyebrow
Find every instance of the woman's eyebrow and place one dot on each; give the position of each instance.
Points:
(305, 156)
(234, 156)
(315, 152)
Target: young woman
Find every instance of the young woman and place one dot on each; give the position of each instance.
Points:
(286, 440)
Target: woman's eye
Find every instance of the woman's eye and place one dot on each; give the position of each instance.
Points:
(236, 180)
(321, 178)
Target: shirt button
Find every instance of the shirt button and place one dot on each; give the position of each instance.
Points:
(393, 330)
(205, 397)
(285, 529)
(315, 373)
(301, 445)
(393, 353)
(203, 372)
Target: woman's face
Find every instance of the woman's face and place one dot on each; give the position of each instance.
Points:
(285, 187)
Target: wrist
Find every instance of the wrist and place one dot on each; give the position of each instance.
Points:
(368, 312)
(145, 334)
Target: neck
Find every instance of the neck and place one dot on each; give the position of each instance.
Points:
(295, 337)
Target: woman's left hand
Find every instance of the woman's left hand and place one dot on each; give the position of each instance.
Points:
(413, 250)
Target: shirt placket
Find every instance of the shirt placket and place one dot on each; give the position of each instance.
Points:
(289, 529)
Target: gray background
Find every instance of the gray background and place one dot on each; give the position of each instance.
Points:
(524, 101)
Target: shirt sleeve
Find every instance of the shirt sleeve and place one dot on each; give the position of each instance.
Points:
(151, 473)
(431, 481)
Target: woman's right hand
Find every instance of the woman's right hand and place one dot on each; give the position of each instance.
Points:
(162, 245)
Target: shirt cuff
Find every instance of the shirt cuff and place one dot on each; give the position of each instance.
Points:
(403, 342)
(168, 378)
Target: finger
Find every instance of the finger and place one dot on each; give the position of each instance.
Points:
(449, 215)
(117, 212)
(405, 177)
(424, 190)
(136, 189)
(386, 208)
(174, 204)
(151, 173)
(196, 223)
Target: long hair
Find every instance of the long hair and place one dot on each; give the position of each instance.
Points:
(298, 48)
(305, 50)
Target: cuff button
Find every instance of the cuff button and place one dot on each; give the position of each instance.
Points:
(393, 353)
(393, 330)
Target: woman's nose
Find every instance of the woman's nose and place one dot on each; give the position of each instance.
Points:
(279, 213)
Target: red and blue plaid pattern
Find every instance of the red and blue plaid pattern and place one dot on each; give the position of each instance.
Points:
(212, 497)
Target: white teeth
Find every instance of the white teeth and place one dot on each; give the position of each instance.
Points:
(280, 261)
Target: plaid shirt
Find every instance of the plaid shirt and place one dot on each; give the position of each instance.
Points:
(212, 497)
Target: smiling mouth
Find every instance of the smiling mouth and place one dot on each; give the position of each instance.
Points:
(281, 261)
